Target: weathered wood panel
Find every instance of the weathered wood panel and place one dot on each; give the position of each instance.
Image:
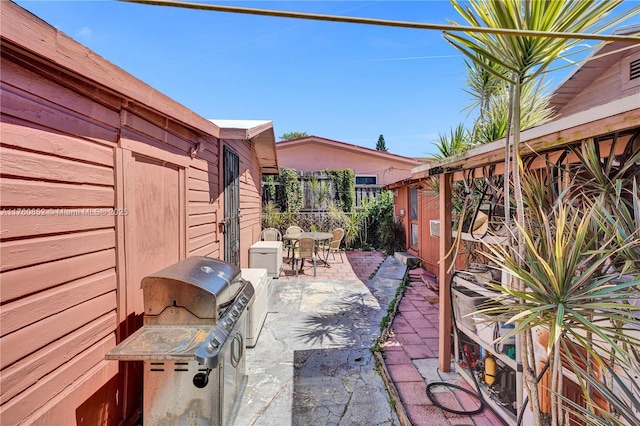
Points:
(44, 221)
(23, 193)
(203, 210)
(22, 282)
(29, 310)
(102, 408)
(155, 226)
(20, 253)
(44, 167)
(37, 336)
(200, 196)
(143, 145)
(196, 208)
(49, 387)
(43, 86)
(210, 250)
(201, 241)
(209, 175)
(13, 132)
(33, 34)
(27, 371)
(33, 109)
(200, 230)
(202, 219)
(203, 185)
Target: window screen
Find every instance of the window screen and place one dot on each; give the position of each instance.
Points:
(413, 204)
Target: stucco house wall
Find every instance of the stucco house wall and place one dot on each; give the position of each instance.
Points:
(98, 189)
(314, 153)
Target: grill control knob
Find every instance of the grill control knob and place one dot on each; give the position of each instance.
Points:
(234, 313)
(228, 322)
(214, 344)
(201, 380)
(244, 299)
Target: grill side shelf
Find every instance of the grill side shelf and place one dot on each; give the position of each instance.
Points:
(161, 342)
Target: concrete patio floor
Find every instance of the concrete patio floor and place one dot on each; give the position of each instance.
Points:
(312, 364)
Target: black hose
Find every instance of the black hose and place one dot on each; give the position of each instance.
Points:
(478, 395)
(454, 386)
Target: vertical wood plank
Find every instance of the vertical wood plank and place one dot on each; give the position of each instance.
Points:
(444, 333)
(121, 265)
(182, 203)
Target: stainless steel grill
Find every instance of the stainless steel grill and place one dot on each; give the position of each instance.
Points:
(192, 343)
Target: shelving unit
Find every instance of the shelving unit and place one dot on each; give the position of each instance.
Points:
(466, 293)
(489, 398)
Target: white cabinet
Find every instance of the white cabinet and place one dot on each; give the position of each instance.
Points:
(259, 305)
(267, 255)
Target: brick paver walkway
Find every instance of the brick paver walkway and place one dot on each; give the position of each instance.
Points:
(413, 341)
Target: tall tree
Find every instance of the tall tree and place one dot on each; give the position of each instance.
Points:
(381, 145)
(293, 135)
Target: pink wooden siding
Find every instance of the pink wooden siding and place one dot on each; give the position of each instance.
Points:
(98, 190)
(613, 84)
(59, 276)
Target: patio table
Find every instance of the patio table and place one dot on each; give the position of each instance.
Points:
(318, 236)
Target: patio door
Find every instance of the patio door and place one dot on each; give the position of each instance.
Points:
(231, 165)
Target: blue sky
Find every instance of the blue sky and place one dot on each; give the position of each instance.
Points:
(340, 81)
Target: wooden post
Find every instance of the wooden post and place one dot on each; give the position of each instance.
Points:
(444, 277)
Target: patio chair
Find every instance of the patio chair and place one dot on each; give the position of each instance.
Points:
(292, 231)
(306, 249)
(270, 234)
(334, 245)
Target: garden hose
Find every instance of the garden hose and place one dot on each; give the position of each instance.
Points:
(477, 395)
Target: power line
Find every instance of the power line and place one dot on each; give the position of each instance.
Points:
(385, 22)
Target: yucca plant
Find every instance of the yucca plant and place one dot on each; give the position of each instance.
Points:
(458, 140)
(581, 270)
(570, 290)
(494, 122)
(607, 178)
(522, 59)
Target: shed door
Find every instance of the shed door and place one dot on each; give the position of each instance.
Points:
(231, 164)
(154, 193)
(153, 197)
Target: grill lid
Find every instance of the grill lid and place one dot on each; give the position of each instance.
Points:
(201, 284)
